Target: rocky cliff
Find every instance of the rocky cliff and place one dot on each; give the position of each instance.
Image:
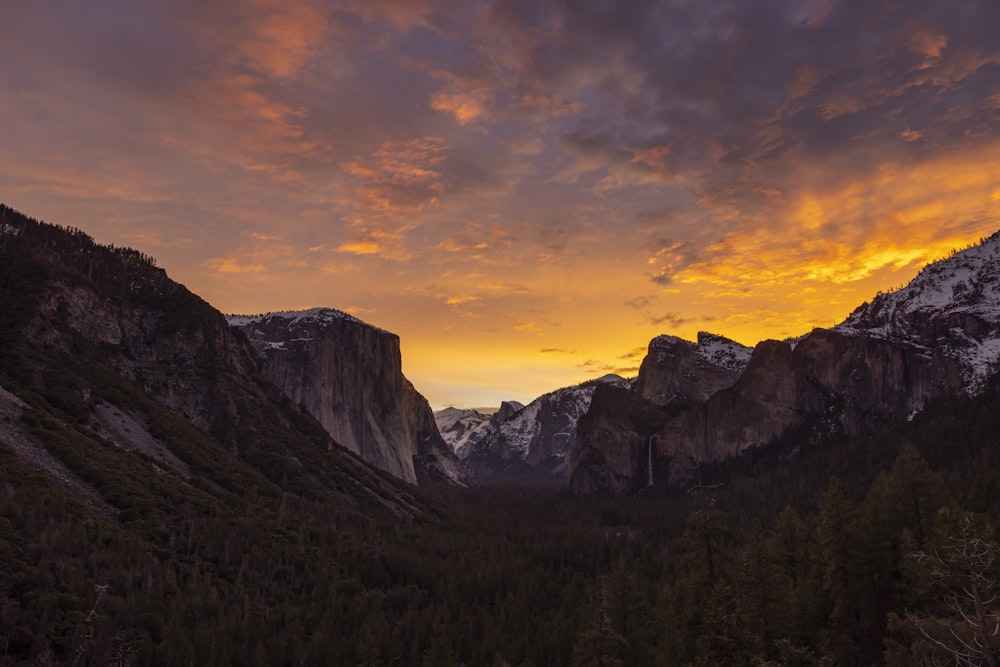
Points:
(348, 374)
(675, 369)
(937, 336)
(124, 377)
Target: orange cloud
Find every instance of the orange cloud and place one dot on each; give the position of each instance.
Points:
(400, 176)
(232, 265)
(459, 300)
(274, 38)
(360, 248)
(465, 107)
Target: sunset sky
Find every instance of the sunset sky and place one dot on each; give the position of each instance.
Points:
(526, 192)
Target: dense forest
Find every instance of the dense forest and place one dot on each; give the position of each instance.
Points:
(854, 553)
(873, 550)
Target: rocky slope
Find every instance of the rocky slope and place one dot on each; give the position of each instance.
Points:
(533, 443)
(951, 307)
(937, 336)
(348, 375)
(126, 377)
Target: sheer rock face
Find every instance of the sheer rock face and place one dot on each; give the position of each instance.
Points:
(348, 375)
(678, 370)
(838, 381)
(611, 454)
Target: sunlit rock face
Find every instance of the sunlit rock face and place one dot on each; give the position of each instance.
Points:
(938, 336)
(348, 374)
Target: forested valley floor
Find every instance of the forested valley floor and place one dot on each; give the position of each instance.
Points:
(843, 553)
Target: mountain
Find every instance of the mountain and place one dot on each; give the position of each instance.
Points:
(938, 336)
(952, 307)
(162, 502)
(532, 442)
(125, 387)
(459, 426)
(675, 369)
(348, 375)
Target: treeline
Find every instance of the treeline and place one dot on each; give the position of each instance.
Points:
(120, 270)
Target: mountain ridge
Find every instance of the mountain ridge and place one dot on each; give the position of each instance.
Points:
(939, 335)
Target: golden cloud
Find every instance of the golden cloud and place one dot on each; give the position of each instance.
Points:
(232, 265)
(460, 299)
(818, 253)
(360, 248)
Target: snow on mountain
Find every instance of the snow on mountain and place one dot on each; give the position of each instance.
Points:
(713, 348)
(535, 440)
(951, 306)
(724, 352)
(293, 317)
(459, 427)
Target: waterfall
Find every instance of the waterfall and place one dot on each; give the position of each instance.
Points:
(649, 462)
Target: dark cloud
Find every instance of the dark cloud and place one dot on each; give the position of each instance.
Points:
(673, 319)
(662, 279)
(727, 89)
(640, 302)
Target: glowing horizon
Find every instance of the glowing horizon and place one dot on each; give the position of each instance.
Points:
(526, 195)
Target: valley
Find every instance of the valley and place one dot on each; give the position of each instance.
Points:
(182, 487)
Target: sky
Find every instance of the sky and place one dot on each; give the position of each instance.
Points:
(525, 192)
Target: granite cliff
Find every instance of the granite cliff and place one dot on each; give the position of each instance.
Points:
(348, 375)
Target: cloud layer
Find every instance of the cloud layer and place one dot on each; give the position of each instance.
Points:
(528, 189)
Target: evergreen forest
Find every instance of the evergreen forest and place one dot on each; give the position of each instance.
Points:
(852, 553)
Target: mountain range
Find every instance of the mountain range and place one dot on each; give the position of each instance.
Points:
(937, 336)
(692, 402)
(181, 487)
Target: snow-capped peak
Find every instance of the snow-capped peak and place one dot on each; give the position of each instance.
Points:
(713, 348)
(968, 282)
(952, 305)
(458, 427)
